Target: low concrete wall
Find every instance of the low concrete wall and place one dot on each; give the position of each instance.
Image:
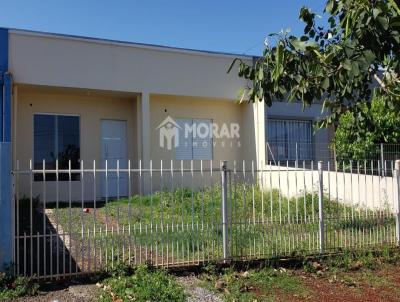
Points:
(360, 190)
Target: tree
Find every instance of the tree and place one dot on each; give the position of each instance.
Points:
(380, 126)
(339, 63)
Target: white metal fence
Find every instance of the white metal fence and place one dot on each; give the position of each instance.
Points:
(188, 213)
(297, 151)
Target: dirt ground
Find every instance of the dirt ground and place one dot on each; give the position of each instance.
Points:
(68, 292)
(381, 285)
(384, 286)
(359, 286)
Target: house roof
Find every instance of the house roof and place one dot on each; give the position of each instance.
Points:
(128, 43)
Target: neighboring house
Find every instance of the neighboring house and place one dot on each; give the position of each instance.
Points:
(85, 99)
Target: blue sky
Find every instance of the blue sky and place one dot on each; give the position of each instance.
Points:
(218, 25)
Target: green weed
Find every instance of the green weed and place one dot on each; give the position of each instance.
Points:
(13, 287)
(144, 285)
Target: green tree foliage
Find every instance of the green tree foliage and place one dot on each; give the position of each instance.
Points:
(338, 62)
(381, 125)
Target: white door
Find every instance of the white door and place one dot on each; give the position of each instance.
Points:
(114, 150)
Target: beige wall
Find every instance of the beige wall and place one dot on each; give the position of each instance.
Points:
(45, 59)
(177, 107)
(220, 112)
(91, 106)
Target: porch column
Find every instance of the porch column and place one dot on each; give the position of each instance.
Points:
(145, 135)
(260, 122)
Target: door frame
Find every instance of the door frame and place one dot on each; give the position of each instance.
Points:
(102, 192)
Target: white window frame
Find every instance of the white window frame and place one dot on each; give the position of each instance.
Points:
(56, 138)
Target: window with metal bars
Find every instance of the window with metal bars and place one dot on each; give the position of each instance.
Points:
(289, 139)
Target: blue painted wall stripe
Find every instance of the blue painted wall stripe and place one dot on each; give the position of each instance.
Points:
(1, 105)
(3, 50)
(7, 108)
(3, 69)
(6, 218)
(6, 212)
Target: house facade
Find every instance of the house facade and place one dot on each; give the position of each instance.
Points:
(81, 102)
(72, 103)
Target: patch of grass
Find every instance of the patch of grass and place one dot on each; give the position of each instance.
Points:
(13, 287)
(366, 223)
(247, 203)
(185, 224)
(354, 260)
(144, 284)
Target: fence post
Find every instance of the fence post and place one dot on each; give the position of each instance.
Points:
(224, 197)
(396, 175)
(382, 173)
(321, 208)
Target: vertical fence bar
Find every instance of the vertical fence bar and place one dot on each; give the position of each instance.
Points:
(252, 192)
(94, 218)
(129, 211)
(382, 160)
(69, 216)
(118, 215)
(224, 193)
(321, 208)
(18, 271)
(31, 214)
(57, 221)
(81, 217)
(396, 175)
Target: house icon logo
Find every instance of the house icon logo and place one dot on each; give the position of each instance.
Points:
(169, 131)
